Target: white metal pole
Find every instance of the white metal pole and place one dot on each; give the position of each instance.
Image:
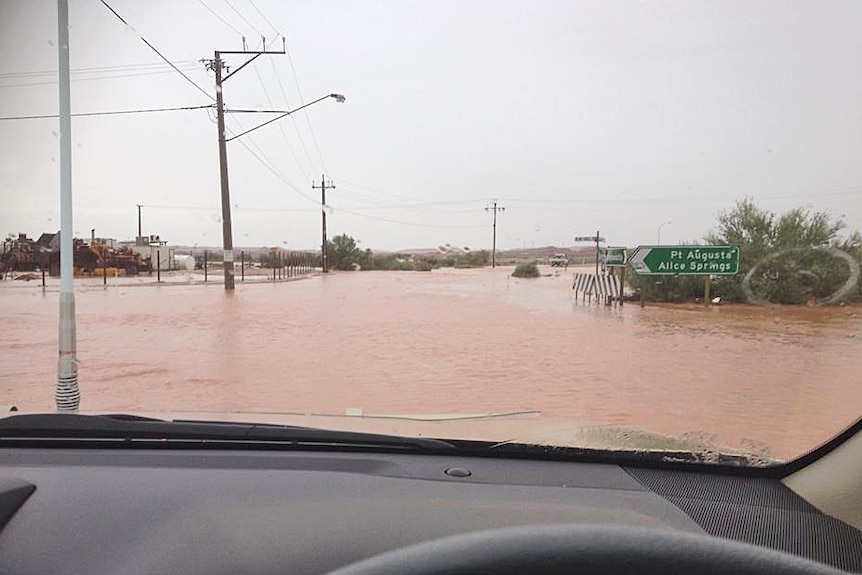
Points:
(67, 395)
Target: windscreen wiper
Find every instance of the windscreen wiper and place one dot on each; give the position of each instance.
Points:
(129, 430)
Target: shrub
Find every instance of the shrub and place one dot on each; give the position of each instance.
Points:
(526, 271)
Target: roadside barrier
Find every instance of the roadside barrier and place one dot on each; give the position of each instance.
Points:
(606, 288)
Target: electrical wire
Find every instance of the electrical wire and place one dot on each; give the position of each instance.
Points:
(265, 19)
(284, 95)
(111, 113)
(90, 70)
(421, 205)
(244, 19)
(385, 197)
(225, 22)
(154, 49)
(280, 126)
(261, 157)
(307, 117)
(267, 163)
(111, 77)
(237, 208)
(653, 199)
(292, 118)
(403, 223)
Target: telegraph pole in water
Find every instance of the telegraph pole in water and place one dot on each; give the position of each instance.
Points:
(493, 208)
(216, 65)
(322, 187)
(139, 224)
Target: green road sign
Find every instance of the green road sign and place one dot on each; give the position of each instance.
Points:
(686, 260)
(615, 257)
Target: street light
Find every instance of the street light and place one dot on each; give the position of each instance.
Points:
(337, 97)
(227, 233)
(658, 240)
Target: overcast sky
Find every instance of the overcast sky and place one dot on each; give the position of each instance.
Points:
(576, 116)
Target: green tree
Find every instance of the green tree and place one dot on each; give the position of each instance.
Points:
(786, 250)
(342, 252)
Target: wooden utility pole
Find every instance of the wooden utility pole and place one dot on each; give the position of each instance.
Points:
(323, 187)
(139, 224)
(493, 208)
(217, 65)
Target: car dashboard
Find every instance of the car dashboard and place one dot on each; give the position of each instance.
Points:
(189, 511)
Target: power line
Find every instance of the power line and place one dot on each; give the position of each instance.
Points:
(90, 70)
(153, 48)
(216, 209)
(421, 205)
(225, 22)
(653, 199)
(403, 223)
(268, 164)
(265, 19)
(244, 19)
(393, 197)
(111, 113)
(362, 197)
(292, 118)
(261, 157)
(401, 205)
(280, 127)
(307, 117)
(110, 77)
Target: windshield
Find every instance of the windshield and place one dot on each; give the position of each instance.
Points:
(612, 226)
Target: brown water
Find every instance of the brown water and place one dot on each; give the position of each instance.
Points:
(450, 341)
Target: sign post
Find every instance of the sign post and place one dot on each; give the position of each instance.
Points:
(596, 238)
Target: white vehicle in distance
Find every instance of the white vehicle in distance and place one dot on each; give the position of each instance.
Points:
(558, 261)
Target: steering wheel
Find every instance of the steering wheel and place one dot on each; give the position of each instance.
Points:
(583, 550)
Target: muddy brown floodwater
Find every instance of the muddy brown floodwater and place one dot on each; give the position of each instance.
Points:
(449, 341)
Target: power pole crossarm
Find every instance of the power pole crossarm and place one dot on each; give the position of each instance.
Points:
(494, 208)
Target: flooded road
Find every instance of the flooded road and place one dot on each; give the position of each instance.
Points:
(449, 341)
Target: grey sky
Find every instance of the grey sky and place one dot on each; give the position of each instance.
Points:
(578, 116)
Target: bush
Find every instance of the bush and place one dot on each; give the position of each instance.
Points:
(670, 288)
(788, 252)
(473, 259)
(526, 271)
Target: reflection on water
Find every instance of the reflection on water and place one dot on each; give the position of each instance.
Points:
(451, 341)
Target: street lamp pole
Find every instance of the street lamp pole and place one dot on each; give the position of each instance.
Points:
(658, 239)
(66, 394)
